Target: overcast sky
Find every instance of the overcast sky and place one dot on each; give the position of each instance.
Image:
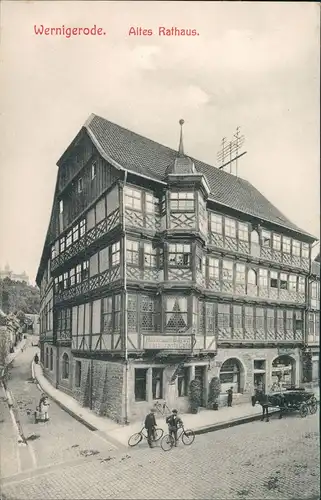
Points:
(253, 64)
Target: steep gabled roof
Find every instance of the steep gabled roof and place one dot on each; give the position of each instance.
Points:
(146, 157)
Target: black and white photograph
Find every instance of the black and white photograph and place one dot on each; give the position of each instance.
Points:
(159, 250)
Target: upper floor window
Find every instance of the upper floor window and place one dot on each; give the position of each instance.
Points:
(305, 250)
(266, 238)
(132, 254)
(249, 317)
(72, 276)
(228, 270)
(149, 255)
(283, 281)
(115, 254)
(296, 247)
(276, 242)
(133, 198)
(82, 227)
(301, 284)
(273, 279)
(80, 185)
(286, 245)
(78, 273)
(93, 170)
(298, 320)
(213, 268)
(240, 273)
(223, 316)
(85, 270)
(69, 239)
(259, 317)
(53, 252)
(179, 255)
(252, 277)
(75, 233)
(237, 317)
(292, 283)
(263, 278)
(315, 290)
(150, 204)
(312, 323)
(62, 244)
(280, 319)
(289, 320)
(182, 201)
(216, 223)
(270, 319)
(243, 231)
(230, 227)
(61, 206)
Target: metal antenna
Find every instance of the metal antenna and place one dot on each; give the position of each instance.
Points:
(231, 149)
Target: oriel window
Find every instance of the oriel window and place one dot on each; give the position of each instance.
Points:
(115, 254)
(292, 283)
(182, 202)
(133, 198)
(296, 248)
(237, 317)
(223, 316)
(277, 241)
(286, 245)
(301, 284)
(132, 253)
(240, 273)
(305, 250)
(150, 204)
(259, 317)
(263, 278)
(179, 255)
(266, 239)
(149, 255)
(249, 317)
(228, 267)
(270, 319)
(213, 268)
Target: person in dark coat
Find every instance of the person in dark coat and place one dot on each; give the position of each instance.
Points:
(174, 422)
(36, 359)
(150, 425)
(230, 396)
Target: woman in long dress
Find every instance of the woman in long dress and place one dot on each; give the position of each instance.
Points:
(44, 408)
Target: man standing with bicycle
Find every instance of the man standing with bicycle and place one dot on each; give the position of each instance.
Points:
(150, 425)
(174, 422)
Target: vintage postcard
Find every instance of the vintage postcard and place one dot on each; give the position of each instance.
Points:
(159, 251)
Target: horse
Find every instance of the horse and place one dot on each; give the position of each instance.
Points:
(269, 401)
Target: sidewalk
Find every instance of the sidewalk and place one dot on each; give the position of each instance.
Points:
(204, 421)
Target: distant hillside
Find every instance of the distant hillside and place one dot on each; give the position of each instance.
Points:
(18, 296)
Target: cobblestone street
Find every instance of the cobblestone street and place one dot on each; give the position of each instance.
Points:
(275, 460)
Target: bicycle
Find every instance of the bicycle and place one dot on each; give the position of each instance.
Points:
(162, 408)
(186, 435)
(136, 438)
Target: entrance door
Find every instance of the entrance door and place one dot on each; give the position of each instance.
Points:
(200, 375)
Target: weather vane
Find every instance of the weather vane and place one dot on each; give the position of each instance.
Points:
(230, 151)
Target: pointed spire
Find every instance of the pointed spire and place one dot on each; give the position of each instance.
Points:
(181, 145)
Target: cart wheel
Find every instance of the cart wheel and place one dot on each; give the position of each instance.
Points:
(304, 410)
(167, 442)
(313, 407)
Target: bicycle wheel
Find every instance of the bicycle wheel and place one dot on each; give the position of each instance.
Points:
(188, 437)
(158, 433)
(304, 410)
(135, 439)
(167, 442)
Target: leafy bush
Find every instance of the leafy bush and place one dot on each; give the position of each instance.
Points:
(214, 390)
(195, 394)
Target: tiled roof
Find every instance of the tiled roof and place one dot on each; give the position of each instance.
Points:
(144, 156)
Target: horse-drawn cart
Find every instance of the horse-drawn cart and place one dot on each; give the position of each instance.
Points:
(292, 399)
(299, 400)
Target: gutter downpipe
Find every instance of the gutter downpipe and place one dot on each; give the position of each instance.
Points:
(125, 302)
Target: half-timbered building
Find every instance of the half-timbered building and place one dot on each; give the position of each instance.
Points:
(313, 324)
(157, 269)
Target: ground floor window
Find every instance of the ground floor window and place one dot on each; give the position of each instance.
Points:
(157, 383)
(230, 375)
(78, 374)
(51, 359)
(65, 366)
(140, 384)
(47, 358)
(182, 382)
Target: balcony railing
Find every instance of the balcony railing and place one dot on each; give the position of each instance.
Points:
(97, 281)
(258, 251)
(94, 234)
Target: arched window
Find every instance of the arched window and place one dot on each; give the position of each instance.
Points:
(47, 358)
(283, 371)
(65, 366)
(252, 277)
(51, 359)
(230, 375)
(77, 374)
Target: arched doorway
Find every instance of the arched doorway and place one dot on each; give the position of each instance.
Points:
(283, 371)
(231, 375)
